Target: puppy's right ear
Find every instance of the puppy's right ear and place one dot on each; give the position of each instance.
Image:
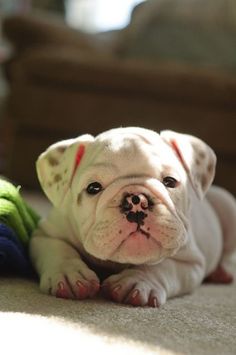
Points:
(198, 159)
(57, 166)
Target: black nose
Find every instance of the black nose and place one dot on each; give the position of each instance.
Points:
(135, 199)
(137, 202)
(133, 206)
(136, 217)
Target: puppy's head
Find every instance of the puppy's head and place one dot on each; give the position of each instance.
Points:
(127, 191)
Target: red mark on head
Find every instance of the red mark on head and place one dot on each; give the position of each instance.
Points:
(78, 157)
(179, 154)
(176, 148)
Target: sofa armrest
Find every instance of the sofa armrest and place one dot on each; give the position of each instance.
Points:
(24, 31)
(66, 67)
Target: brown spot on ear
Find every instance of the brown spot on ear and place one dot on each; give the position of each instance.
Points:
(197, 162)
(201, 154)
(79, 199)
(52, 161)
(204, 181)
(61, 149)
(210, 168)
(57, 178)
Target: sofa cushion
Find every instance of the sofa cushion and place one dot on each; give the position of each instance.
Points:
(198, 32)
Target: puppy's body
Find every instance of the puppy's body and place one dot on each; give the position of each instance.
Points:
(131, 201)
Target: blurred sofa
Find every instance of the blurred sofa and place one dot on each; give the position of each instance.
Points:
(64, 83)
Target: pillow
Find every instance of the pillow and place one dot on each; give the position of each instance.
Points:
(197, 32)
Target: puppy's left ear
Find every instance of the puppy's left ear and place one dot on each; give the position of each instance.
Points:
(198, 159)
(57, 166)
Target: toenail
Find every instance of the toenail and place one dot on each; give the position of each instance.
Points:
(135, 293)
(80, 284)
(61, 285)
(155, 302)
(116, 289)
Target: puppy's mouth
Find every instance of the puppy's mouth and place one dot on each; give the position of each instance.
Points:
(142, 231)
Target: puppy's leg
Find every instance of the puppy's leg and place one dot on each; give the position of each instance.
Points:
(153, 285)
(225, 206)
(61, 270)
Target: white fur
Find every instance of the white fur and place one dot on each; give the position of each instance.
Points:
(184, 235)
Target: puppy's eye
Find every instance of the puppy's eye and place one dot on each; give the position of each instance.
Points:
(170, 182)
(94, 188)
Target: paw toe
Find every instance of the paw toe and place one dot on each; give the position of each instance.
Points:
(153, 302)
(220, 275)
(134, 298)
(63, 290)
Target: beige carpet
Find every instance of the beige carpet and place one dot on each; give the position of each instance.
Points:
(33, 323)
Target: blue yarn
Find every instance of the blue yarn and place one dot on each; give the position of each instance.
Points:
(13, 256)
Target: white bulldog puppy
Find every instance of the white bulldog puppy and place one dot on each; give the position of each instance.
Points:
(130, 215)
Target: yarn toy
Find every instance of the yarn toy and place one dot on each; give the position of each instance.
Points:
(17, 223)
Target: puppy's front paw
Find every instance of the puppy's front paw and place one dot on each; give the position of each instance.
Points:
(71, 279)
(134, 287)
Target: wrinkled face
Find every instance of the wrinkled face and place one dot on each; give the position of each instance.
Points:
(129, 201)
(126, 192)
